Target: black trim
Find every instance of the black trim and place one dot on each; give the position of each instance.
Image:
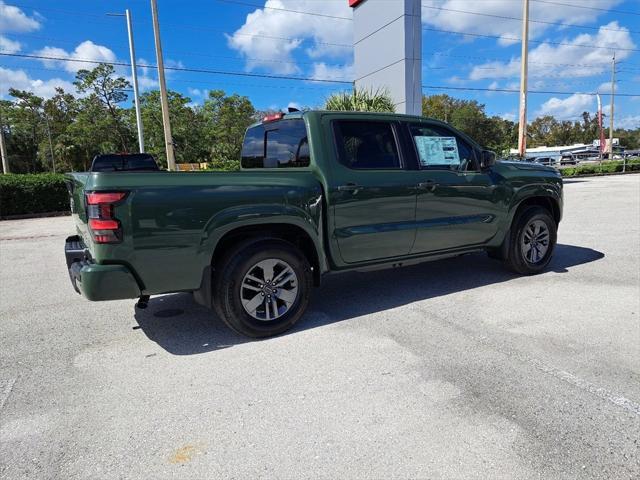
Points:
(77, 256)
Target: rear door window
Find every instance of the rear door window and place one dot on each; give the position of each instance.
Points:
(282, 144)
(366, 144)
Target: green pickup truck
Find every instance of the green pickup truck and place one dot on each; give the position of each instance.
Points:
(319, 192)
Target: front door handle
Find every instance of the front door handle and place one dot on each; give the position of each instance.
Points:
(429, 185)
(349, 187)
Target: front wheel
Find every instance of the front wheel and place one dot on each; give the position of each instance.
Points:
(262, 288)
(532, 242)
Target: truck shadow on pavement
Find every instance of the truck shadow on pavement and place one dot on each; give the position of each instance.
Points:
(182, 327)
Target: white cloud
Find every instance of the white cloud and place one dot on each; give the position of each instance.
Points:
(283, 33)
(628, 122)
(86, 50)
(567, 107)
(332, 72)
(14, 20)
(549, 60)
(448, 15)
(508, 116)
(20, 80)
(9, 46)
(295, 105)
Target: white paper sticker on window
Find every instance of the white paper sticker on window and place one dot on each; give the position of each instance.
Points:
(437, 150)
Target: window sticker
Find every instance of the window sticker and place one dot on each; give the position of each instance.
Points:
(437, 150)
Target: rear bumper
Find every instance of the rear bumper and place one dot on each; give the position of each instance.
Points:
(97, 282)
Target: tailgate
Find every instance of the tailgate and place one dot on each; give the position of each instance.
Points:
(76, 183)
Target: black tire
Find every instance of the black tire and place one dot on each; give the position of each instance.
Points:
(517, 257)
(228, 281)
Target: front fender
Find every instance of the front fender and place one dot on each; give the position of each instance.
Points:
(545, 190)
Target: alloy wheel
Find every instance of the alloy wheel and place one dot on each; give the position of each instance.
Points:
(269, 289)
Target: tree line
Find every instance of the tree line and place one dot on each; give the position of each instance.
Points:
(65, 132)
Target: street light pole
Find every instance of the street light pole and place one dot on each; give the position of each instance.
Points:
(134, 76)
(164, 101)
(522, 126)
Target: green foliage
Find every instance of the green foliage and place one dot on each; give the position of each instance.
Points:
(361, 101)
(32, 193)
(632, 165)
(226, 120)
(469, 116)
(109, 90)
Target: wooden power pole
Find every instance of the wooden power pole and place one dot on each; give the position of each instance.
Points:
(164, 101)
(613, 92)
(522, 126)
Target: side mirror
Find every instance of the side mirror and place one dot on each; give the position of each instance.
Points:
(487, 158)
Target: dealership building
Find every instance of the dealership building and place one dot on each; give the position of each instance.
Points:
(388, 50)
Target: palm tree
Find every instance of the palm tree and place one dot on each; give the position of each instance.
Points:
(362, 100)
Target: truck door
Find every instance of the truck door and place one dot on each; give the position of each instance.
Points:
(457, 203)
(373, 193)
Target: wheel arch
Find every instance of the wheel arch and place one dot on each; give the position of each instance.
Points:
(547, 202)
(288, 232)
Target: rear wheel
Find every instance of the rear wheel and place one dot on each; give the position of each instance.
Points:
(262, 288)
(532, 241)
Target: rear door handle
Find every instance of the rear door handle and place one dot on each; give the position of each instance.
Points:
(429, 185)
(349, 187)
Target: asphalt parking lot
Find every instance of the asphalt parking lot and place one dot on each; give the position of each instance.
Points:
(453, 369)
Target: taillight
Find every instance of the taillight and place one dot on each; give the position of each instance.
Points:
(104, 227)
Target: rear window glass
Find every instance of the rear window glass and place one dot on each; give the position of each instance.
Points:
(367, 145)
(282, 144)
(117, 163)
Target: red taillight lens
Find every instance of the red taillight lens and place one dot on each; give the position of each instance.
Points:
(96, 224)
(104, 227)
(96, 198)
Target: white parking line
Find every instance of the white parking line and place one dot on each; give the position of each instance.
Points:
(6, 391)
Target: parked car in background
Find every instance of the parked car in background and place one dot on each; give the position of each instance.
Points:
(124, 162)
(549, 161)
(319, 192)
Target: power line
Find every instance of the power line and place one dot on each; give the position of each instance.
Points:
(179, 69)
(505, 17)
(587, 8)
(581, 45)
(173, 52)
(247, 4)
(512, 90)
(291, 39)
(495, 59)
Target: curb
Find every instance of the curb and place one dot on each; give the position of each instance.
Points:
(34, 215)
(605, 174)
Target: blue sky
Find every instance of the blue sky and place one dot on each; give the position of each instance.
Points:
(243, 36)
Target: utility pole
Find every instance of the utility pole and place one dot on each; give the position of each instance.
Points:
(3, 149)
(53, 160)
(522, 126)
(613, 92)
(164, 101)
